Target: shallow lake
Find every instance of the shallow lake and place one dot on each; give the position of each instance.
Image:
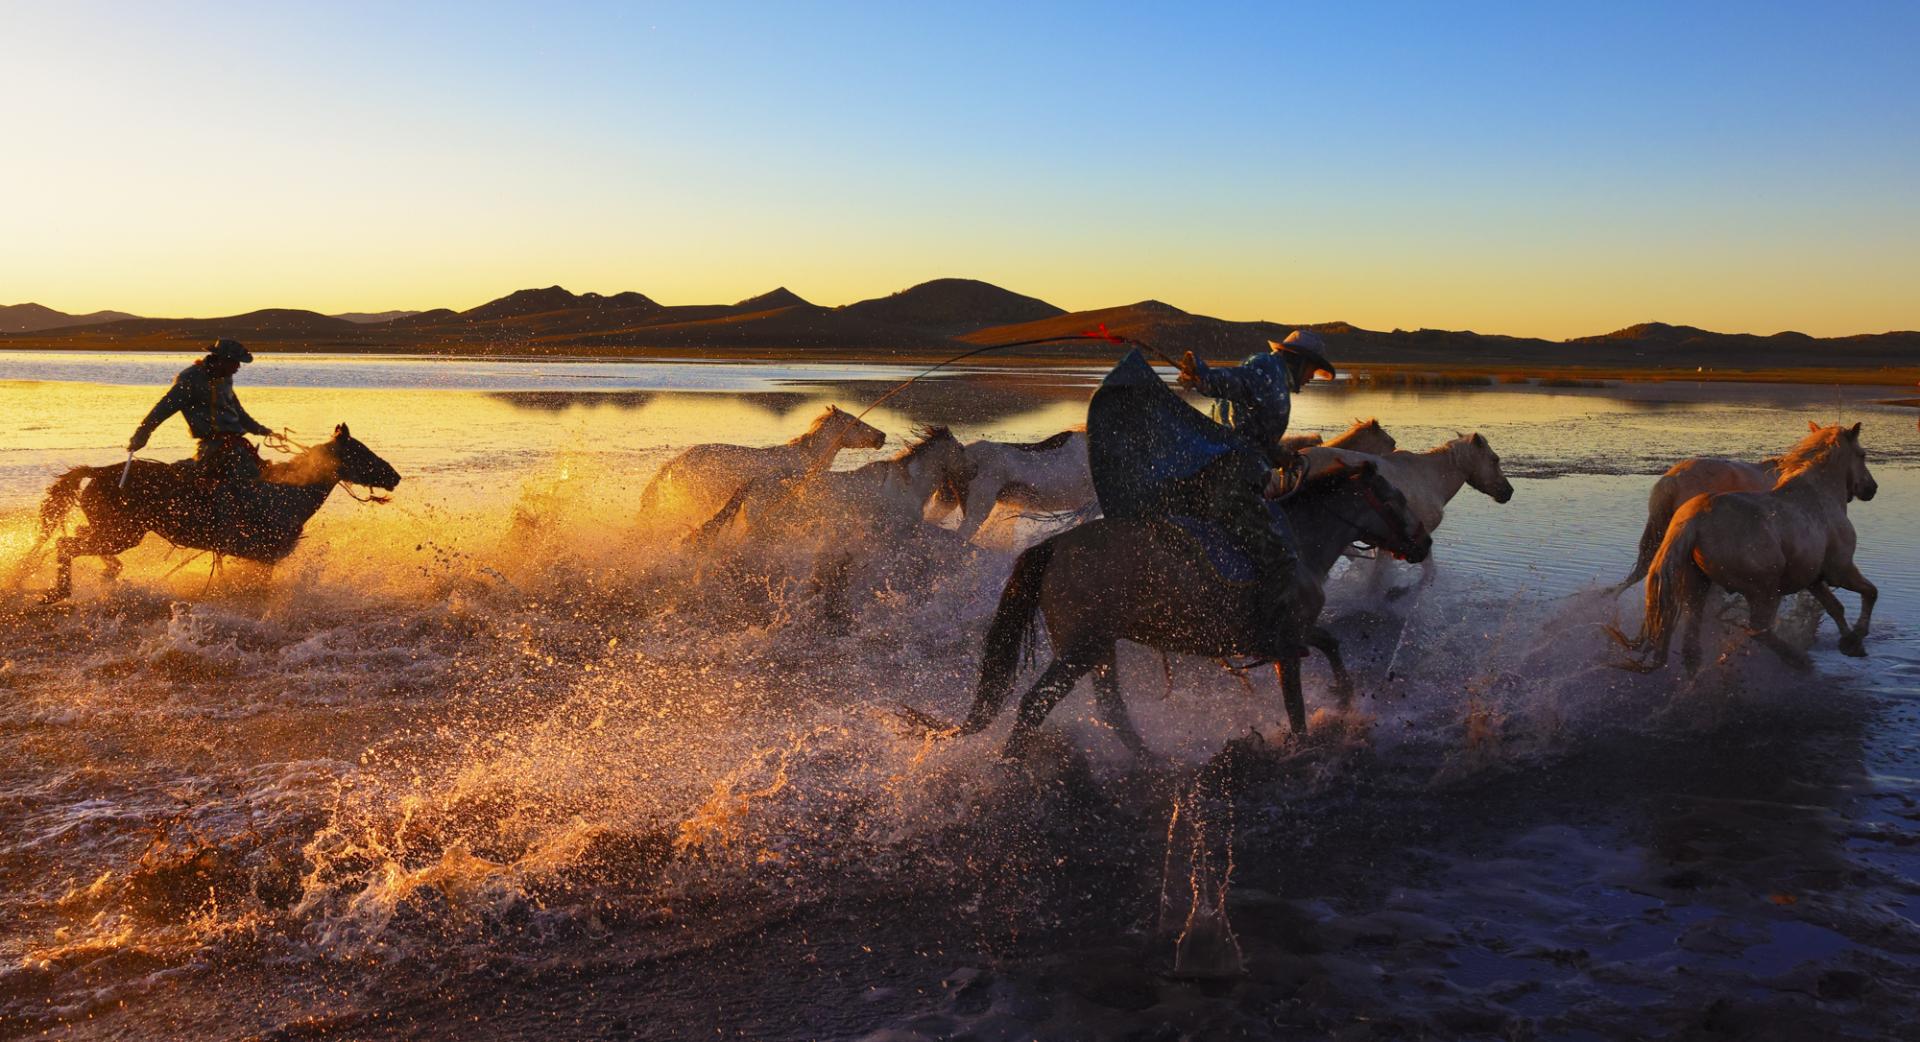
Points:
(494, 760)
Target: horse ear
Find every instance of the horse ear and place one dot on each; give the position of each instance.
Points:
(1479, 439)
(1814, 426)
(1854, 432)
(340, 431)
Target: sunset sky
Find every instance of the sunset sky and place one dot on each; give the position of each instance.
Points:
(1528, 169)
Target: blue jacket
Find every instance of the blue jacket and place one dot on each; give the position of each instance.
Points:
(1255, 398)
(206, 402)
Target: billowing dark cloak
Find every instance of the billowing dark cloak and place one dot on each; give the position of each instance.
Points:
(1144, 442)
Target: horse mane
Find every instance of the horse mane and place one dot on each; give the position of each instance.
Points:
(1808, 450)
(818, 422)
(1046, 444)
(1358, 426)
(923, 437)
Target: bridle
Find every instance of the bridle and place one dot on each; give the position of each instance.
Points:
(1395, 520)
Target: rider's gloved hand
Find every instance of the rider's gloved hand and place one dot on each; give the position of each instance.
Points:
(136, 443)
(1189, 370)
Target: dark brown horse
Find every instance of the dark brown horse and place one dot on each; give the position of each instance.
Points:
(1149, 582)
(258, 521)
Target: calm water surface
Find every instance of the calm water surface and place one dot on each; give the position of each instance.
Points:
(497, 761)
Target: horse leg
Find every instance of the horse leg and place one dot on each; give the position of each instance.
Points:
(1039, 700)
(1693, 616)
(1288, 670)
(1106, 688)
(1851, 579)
(62, 571)
(1763, 610)
(1849, 644)
(88, 541)
(1327, 644)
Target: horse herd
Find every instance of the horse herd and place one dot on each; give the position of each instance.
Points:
(1764, 531)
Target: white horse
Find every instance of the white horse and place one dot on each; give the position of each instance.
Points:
(1763, 546)
(1686, 479)
(885, 497)
(699, 480)
(844, 519)
(1429, 480)
(1051, 476)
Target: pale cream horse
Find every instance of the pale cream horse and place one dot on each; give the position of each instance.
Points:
(698, 482)
(1429, 480)
(841, 520)
(1764, 546)
(1686, 479)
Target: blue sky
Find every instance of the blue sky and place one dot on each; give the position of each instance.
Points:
(1539, 169)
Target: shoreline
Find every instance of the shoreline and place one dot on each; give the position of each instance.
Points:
(1384, 374)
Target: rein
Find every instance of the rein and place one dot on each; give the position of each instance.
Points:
(281, 439)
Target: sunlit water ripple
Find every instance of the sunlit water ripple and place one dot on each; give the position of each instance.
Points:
(495, 761)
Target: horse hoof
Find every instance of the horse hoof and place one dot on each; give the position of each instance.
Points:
(1853, 647)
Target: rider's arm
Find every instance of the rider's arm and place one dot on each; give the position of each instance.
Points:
(1228, 383)
(169, 403)
(253, 426)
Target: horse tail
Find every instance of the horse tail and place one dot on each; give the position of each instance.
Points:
(1660, 508)
(60, 499)
(709, 529)
(1009, 643)
(1670, 576)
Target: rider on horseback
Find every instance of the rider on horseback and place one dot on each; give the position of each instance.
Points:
(1256, 400)
(203, 394)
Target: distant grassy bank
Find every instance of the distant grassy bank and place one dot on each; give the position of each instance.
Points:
(1423, 373)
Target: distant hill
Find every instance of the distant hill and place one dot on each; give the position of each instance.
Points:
(367, 318)
(951, 307)
(781, 297)
(30, 318)
(931, 321)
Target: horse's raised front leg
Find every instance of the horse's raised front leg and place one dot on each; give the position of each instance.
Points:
(1113, 707)
(1327, 644)
(1288, 670)
(1851, 579)
(1849, 643)
(982, 495)
(1039, 700)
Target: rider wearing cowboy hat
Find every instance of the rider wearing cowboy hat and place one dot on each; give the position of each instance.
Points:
(203, 395)
(1255, 398)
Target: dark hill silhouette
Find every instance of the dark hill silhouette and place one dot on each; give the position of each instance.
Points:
(1162, 325)
(30, 318)
(781, 297)
(370, 318)
(915, 323)
(952, 307)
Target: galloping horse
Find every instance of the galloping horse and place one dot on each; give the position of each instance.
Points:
(1432, 478)
(1150, 582)
(1763, 546)
(1051, 476)
(886, 495)
(1689, 478)
(699, 480)
(259, 521)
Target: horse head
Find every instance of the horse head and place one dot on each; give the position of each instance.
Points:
(1860, 483)
(1365, 436)
(953, 470)
(1378, 512)
(356, 463)
(850, 431)
(1482, 467)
